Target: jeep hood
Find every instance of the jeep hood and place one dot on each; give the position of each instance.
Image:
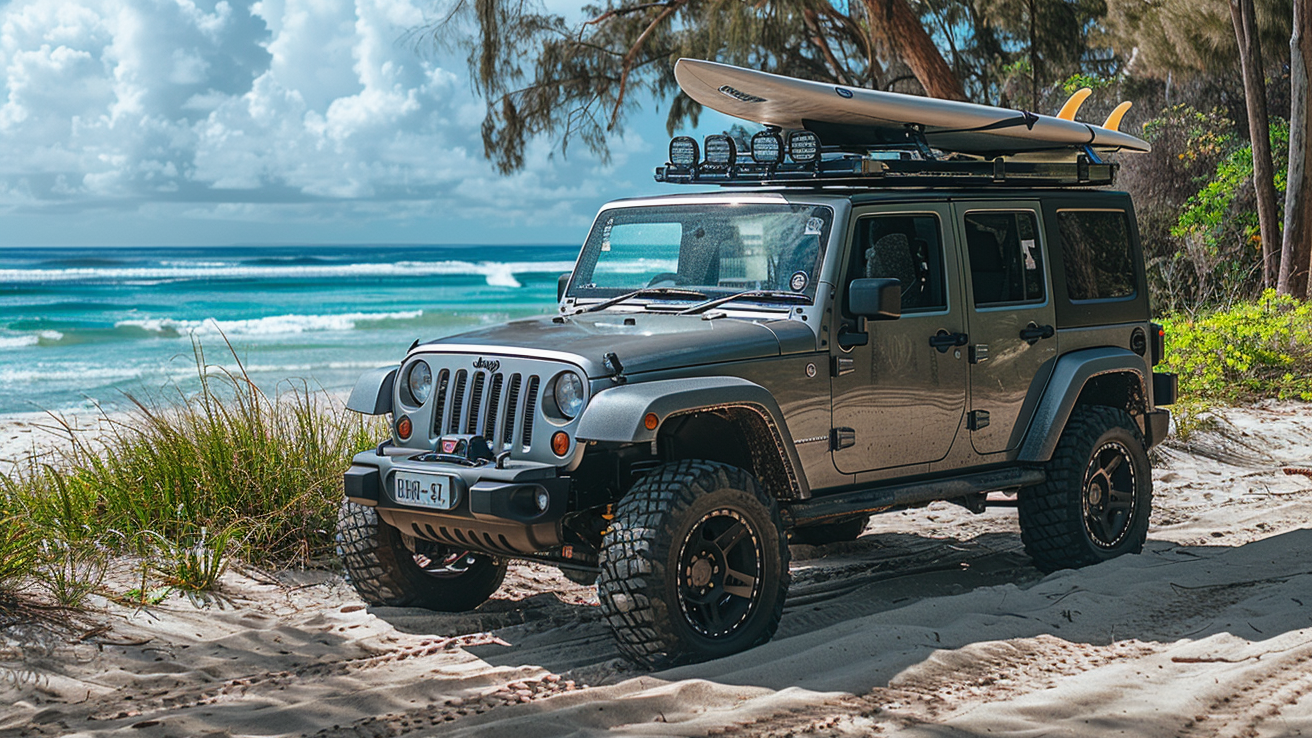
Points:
(643, 342)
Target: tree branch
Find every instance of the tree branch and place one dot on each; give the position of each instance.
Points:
(634, 50)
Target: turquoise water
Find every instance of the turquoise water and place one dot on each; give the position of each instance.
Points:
(80, 327)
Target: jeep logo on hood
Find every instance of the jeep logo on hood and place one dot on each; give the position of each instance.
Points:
(491, 366)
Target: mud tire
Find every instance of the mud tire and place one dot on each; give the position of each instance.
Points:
(1060, 520)
(384, 572)
(821, 535)
(671, 517)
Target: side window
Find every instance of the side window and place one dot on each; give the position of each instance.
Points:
(1096, 253)
(1006, 263)
(906, 248)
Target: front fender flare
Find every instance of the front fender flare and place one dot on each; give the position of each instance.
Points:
(1072, 373)
(372, 394)
(616, 414)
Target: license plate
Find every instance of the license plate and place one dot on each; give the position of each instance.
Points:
(424, 490)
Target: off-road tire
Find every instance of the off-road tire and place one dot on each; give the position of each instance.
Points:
(1059, 519)
(385, 572)
(654, 523)
(820, 535)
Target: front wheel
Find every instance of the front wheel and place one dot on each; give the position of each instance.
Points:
(1097, 498)
(695, 565)
(432, 576)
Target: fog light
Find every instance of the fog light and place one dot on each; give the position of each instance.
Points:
(543, 500)
(650, 421)
(560, 443)
(403, 428)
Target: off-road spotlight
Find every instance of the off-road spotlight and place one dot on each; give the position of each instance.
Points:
(767, 148)
(720, 151)
(683, 152)
(803, 147)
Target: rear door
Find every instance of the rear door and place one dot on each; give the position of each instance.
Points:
(1010, 314)
(898, 400)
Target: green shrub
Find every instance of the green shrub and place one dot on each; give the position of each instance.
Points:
(1249, 351)
(265, 471)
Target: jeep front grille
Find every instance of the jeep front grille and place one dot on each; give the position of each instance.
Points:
(497, 405)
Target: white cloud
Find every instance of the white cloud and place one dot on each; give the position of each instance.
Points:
(310, 110)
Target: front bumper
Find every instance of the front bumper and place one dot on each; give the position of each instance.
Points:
(495, 510)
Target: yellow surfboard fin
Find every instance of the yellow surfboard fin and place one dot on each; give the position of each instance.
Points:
(1072, 105)
(1113, 122)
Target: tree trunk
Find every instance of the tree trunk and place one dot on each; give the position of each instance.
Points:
(1296, 251)
(907, 38)
(1259, 132)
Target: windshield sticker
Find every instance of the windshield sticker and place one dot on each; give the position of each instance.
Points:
(605, 235)
(813, 227)
(798, 281)
(1027, 245)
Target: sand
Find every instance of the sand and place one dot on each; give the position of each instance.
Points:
(933, 623)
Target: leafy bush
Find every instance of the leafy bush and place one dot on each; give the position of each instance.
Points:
(1249, 351)
(265, 471)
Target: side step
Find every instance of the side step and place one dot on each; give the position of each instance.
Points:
(847, 504)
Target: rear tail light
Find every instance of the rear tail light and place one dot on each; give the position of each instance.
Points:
(1157, 339)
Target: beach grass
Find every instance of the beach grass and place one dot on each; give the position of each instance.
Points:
(184, 483)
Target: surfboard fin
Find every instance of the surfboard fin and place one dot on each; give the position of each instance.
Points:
(1113, 122)
(1072, 105)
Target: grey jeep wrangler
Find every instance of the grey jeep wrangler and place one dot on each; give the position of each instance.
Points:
(837, 335)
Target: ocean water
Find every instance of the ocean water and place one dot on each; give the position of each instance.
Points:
(81, 327)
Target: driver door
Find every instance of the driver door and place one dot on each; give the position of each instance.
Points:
(899, 399)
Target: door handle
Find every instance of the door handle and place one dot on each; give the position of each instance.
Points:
(944, 340)
(1033, 332)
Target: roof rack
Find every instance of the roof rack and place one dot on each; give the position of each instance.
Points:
(897, 166)
(875, 173)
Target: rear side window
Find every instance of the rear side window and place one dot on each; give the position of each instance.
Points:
(1006, 263)
(1096, 253)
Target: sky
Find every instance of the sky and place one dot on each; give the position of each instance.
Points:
(204, 122)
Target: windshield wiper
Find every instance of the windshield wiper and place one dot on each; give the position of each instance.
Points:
(780, 295)
(644, 292)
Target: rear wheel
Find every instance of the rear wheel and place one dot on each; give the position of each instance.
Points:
(695, 565)
(386, 572)
(1097, 498)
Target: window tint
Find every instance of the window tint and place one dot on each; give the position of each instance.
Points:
(1006, 263)
(906, 248)
(1096, 252)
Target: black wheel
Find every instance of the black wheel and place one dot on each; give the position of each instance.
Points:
(432, 576)
(820, 535)
(695, 565)
(1097, 498)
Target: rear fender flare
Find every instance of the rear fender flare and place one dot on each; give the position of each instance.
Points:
(1069, 377)
(616, 414)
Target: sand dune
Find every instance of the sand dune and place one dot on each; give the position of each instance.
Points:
(931, 624)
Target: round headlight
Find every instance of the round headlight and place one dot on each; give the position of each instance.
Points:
(568, 393)
(419, 380)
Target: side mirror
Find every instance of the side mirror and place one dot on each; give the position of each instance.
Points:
(562, 282)
(875, 298)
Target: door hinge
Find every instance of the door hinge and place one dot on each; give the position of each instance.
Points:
(841, 438)
(842, 365)
(977, 420)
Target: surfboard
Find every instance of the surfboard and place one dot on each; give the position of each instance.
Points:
(852, 116)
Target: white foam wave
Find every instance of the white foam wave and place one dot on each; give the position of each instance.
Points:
(276, 325)
(30, 339)
(497, 274)
(93, 376)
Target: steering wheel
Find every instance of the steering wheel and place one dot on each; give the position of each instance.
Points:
(663, 277)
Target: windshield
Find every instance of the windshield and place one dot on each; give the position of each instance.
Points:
(715, 249)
